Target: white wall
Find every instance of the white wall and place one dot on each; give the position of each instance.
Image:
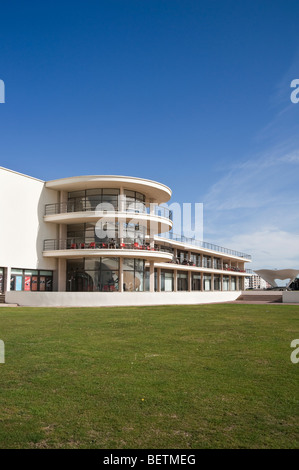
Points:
(116, 299)
(22, 229)
(290, 297)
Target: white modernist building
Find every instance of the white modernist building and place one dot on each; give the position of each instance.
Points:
(97, 240)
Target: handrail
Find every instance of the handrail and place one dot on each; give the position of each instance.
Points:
(70, 207)
(202, 244)
(75, 243)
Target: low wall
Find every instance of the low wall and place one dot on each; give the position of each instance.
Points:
(291, 297)
(116, 299)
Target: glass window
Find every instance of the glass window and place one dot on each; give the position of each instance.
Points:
(207, 282)
(182, 279)
(217, 283)
(225, 282)
(166, 281)
(196, 281)
(133, 272)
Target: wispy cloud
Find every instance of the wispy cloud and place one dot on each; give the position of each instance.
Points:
(254, 206)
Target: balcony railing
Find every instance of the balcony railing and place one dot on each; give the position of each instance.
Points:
(202, 244)
(91, 244)
(85, 206)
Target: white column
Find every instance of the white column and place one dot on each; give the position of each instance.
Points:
(158, 279)
(7, 279)
(152, 277)
(175, 280)
(189, 281)
(61, 275)
(121, 276)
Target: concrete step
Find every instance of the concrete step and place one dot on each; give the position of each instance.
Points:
(2, 298)
(271, 298)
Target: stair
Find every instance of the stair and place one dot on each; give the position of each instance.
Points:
(269, 298)
(2, 298)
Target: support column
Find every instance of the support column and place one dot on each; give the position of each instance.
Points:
(61, 275)
(201, 282)
(158, 279)
(221, 282)
(152, 277)
(230, 283)
(121, 276)
(212, 281)
(7, 276)
(175, 280)
(189, 281)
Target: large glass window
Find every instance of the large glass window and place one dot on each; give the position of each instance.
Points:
(133, 273)
(89, 199)
(166, 281)
(196, 281)
(217, 282)
(134, 201)
(207, 282)
(207, 261)
(31, 280)
(217, 263)
(225, 282)
(93, 275)
(195, 259)
(182, 279)
(233, 283)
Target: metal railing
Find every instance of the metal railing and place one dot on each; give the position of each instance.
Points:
(202, 244)
(91, 244)
(85, 206)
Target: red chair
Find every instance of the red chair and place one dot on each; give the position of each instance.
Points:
(123, 245)
(82, 245)
(92, 245)
(104, 245)
(136, 245)
(73, 246)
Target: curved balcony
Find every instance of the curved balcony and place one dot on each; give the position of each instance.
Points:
(79, 248)
(157, 218)
(154, 191)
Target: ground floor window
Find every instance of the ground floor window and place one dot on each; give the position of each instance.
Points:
(233, 283)
(182, 281)
(133, 272)
(207, 282)
(31, 280)
(93, 275)
(225, 282)
(166, 281)
(103, 275)
(217, 282)
(196, 281)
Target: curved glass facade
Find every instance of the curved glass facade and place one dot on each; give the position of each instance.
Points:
(102, 275)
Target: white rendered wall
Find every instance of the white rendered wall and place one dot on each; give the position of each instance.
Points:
(116, 299)
(22, 231)
(290, 297)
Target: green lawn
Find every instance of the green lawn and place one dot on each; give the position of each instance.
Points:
(151, 377)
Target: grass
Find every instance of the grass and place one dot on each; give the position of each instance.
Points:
(185, 377)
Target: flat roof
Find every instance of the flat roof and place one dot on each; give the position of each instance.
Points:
(158, 192)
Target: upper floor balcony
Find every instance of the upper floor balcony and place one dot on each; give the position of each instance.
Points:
(77, 247)
(157, 219)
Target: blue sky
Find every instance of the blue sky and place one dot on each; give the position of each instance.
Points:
(195, 94)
